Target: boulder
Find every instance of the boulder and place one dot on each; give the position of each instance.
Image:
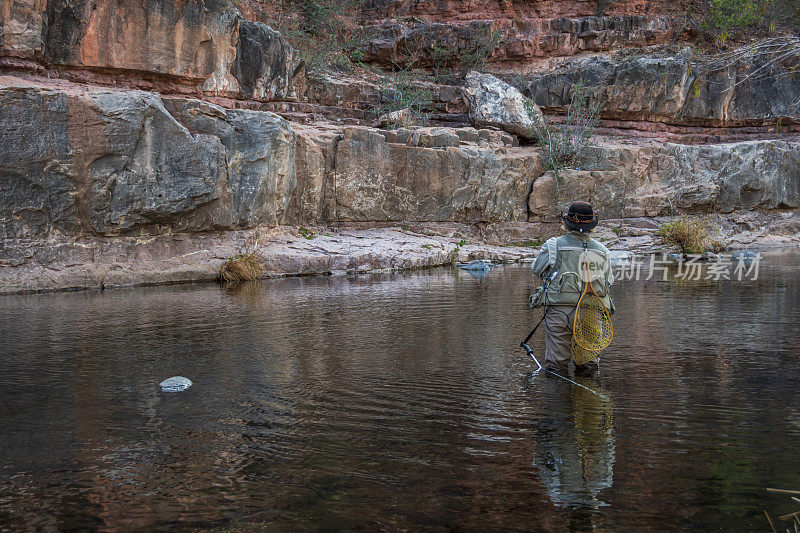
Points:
(494, 103)
(477, 265)
(402, 117)
(435, 138)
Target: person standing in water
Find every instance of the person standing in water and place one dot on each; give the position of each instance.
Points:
(560, 265)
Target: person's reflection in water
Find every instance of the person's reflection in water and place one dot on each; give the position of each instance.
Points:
(575, 443)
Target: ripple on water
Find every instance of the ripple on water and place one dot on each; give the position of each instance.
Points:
(397, 401)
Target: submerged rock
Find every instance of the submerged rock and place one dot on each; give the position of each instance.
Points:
(745, 256)
(175, 384)
(493, 102)
(618, 257)
(476, 266)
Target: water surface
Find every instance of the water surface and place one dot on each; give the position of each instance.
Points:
(397, 401)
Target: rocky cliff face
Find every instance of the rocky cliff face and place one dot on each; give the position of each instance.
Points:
(665, 179)
(204, 47)
(145, 141)
(109, 162)
(117, 162)
(749, 88)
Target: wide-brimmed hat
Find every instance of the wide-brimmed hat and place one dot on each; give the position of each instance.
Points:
(580, 217)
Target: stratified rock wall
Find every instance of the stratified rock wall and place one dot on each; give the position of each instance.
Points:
(205, 45)
(499, 9)
(111, 162)
(747, 88)
(656, 180)
(518, 40)
(103, 162)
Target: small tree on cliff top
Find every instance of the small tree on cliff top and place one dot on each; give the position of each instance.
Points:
(323, 30)
(563, 144)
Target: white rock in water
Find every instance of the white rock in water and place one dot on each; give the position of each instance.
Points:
(175, 384)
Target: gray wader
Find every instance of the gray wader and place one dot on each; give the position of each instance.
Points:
(558, 340)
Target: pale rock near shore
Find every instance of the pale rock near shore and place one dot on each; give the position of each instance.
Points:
(104, 262)
(118, 261)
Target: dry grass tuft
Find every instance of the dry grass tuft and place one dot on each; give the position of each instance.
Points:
(245, 267)
(691, 234)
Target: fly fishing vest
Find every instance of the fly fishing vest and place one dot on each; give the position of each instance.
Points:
(567, 258)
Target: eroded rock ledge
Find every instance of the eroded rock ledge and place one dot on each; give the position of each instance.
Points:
(30, 265)
(105, 262)
(96, 175)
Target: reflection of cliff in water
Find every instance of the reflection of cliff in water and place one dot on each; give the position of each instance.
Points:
(575, 456)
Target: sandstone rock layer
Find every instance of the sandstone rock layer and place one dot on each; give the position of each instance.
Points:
(204, 45)
(657, 180)
(746, 88)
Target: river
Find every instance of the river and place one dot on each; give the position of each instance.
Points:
(398, 401)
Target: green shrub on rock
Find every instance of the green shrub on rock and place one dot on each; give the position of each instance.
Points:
(323, 31)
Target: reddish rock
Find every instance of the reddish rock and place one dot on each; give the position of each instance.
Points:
(518, 40)
(21, 24)
(204, 46)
